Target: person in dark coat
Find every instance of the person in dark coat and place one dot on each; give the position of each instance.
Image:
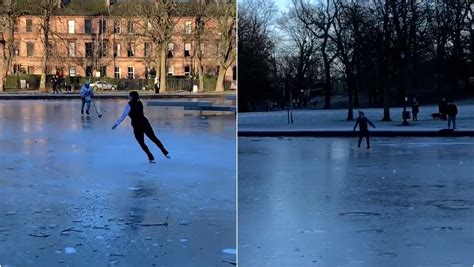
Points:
(443, 109)
(363, 124)
(55, 83)
(141, 125)
(452, 111)
(415, 109)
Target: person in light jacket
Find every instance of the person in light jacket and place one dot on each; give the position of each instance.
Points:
(86, 96)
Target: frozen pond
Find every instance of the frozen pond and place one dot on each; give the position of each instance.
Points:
(74, 192)
(323, 202)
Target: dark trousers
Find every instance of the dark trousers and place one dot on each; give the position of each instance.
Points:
(145, 129)
(415, 116)
(452, 118)
(363, 134)
(84, 102)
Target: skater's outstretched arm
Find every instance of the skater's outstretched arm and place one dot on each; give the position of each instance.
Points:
(355, 126)
(122, 117)
(371, 124)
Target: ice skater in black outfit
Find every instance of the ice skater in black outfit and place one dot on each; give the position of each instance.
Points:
(141, 125)
(363, 123)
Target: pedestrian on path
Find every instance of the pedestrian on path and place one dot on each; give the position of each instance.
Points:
(86, 96)
(415, 109)
(55, 83)
(443, 109)
(141, 125)
(363, 124)
(157, 85)
(452, 111)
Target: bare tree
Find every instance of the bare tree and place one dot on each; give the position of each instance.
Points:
(319, 20)
(156, 21)
(202, 13)
(301, 51)
(226, 18)
(9, 13)
(45, 9)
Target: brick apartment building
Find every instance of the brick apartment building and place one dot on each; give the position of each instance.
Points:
(107, 46)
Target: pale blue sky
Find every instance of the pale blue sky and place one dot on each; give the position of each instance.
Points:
(282, 4)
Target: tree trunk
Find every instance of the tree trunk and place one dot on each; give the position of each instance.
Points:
(200, 75)
(386, 104)
(201, 80)
(3, 66)
(327, 83)
(350, 88)
(220, 79)
(44, 66)
(163, 68)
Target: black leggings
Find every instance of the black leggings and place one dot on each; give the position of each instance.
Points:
(140, 132)
(366, 135)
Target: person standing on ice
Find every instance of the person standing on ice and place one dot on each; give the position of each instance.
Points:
(363, 124)
(452, 111)
(141, 125)
(86, 95)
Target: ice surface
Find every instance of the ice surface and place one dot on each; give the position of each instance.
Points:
(58, 167)
(349, 207)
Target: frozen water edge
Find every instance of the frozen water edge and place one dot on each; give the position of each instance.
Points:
(324, 202)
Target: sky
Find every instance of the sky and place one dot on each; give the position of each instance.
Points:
(282, 4)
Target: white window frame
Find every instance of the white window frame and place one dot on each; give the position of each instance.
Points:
(71, 26)
(118, 50)
(187, 47)
(72, 71)
(71, 49)
(188, 27)
(117, 27)
(184, 70)
(117, 70)
(170, 70)
(133, 72)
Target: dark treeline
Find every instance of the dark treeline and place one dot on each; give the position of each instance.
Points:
(380, 51)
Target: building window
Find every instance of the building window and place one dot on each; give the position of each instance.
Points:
(71, 26)
(16, 48)
(88, 71)
(187, 27)
(117, 27)
(130, 27)
(130, 50)
(30, 48)
(103, 49)
(170, 50)
(117, 50)
(117, 72)
(202, 46)
(187, 70)
(72, 49)
(103, 71)
(187, 49)
(102, 26)
(89, 50)
(72, 71)
(29, 25)
(170, 70)
(31, 70)
(88, 26)
(131, 73)
(147, 49)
